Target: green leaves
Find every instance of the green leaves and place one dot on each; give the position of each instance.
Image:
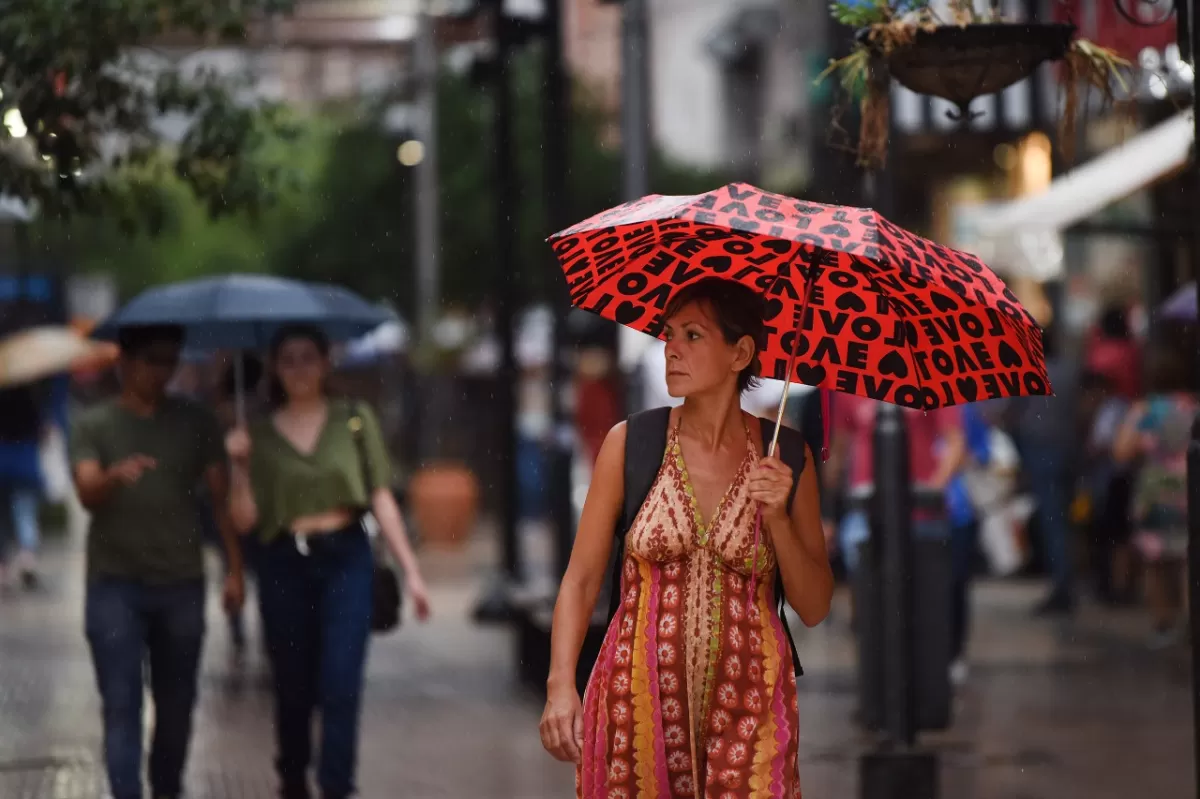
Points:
(861, 13)
(82, 91)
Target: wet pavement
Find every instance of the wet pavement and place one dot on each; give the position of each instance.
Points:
(1052, 709)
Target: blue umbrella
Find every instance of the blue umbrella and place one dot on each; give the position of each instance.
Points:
(244, 311)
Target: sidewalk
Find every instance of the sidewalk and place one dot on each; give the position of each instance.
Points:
(1064, 710)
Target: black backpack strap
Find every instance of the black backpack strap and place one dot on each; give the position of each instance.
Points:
(791, 451)
(645, 446)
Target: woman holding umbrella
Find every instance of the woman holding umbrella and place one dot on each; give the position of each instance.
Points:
(692, 693)
(309, 478)
(689, 585)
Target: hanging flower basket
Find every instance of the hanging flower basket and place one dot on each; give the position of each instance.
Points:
(962, 63)
(973, 56)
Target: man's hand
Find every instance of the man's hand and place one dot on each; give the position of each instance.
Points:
(129, 470)
(235, 591)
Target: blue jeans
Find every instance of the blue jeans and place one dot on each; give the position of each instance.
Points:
(26, 504)
(316, 612)
(1047, 481)
(130, 625)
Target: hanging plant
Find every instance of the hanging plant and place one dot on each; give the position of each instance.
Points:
(959, 56)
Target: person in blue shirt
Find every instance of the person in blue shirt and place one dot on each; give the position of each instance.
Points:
(964, 527)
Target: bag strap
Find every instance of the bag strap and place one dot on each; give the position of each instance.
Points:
(355, 423)
(645, 448)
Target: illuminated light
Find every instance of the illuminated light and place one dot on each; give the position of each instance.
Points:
(411, 153)
(1037, 165)
(1158, 87)
(1005, 156)
(1149, 59)
(14, 123)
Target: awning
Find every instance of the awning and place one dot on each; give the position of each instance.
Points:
(1119, 172)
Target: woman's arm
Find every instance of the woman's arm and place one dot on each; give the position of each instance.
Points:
(561, 726)
(1127, 443)
(798, 539)
(391, 524)
(243, 510)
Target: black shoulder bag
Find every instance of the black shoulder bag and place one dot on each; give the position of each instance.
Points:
(645, 448)
(386, 596)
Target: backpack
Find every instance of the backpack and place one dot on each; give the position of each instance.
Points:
(645, 448)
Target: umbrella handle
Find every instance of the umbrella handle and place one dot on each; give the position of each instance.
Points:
(787, 382)
(239, 387)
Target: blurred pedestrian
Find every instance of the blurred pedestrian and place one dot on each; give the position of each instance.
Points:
(1046, 438)
(137, 462)
(311, 488)
(22, 424)
(696, 581)
(937, 451)
(1109, 487)
(1112, 351)
(1156, 434)
(964, 519)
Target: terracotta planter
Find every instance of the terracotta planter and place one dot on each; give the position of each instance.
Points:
(444, 499)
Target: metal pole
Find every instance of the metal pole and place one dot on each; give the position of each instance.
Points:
(556, 134)
(426, 183)
(506, 290)
(635, 148)
(891, 526)
(635, 100)
(896, 770)
(497, 603)
(1193, 464)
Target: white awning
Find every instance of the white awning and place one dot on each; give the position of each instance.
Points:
(1104, 180)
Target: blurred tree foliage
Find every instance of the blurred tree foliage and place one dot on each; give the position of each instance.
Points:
(350, 218)
(85, 89)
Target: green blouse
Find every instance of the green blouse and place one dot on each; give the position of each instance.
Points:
(289, 484)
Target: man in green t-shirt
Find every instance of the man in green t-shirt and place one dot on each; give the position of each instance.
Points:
(138, 462)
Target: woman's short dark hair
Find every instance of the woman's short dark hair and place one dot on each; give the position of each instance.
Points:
(1114, 323)
(276, 396)
(136, 339)
(738, 311)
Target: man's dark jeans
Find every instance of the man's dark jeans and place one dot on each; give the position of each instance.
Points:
(129, 625)
(316, 610)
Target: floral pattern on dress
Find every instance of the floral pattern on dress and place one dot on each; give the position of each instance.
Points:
(693, 693)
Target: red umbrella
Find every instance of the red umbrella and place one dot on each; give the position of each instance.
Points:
(882, 312)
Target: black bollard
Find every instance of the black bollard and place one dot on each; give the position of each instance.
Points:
(896, 769)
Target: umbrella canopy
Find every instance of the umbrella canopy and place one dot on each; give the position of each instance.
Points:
(244, 311)
(880, 312)
(1181, 305)
(40, 352)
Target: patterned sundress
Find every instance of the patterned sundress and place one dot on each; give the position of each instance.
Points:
(694, 692)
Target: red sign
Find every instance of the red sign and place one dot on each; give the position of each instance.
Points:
(1101, 22)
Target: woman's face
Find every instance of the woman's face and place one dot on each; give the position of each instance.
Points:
(699, 359)
(301, 368)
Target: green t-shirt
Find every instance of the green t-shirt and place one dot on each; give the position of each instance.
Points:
(290, 485)
(151, 530)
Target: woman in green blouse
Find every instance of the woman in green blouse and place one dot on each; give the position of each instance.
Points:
(299, 478)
